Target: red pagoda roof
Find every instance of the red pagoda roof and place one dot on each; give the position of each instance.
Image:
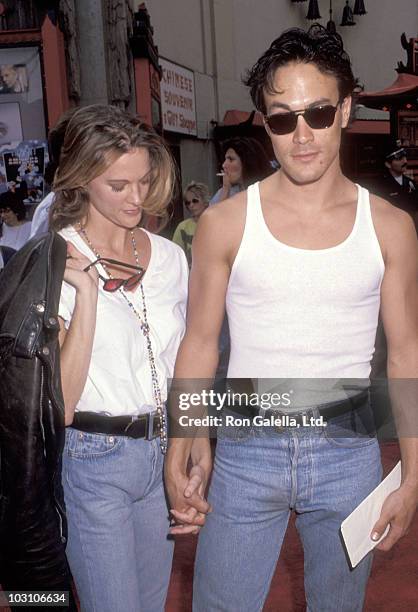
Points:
(405, 85)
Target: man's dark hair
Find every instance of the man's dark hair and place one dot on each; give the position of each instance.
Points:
(55, 141)
(254, 160)
(12, 201)
(316, 46)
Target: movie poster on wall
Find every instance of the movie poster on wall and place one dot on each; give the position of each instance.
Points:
(13, 78)
(21, 82)
(10, 123)
(24, 167)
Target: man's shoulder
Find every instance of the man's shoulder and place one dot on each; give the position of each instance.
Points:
(226, 217)
(391, 223)
(227, 209)
(221, 227)
(385, 211)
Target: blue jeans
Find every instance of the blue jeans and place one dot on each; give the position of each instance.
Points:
(260, 476)
(118, 549)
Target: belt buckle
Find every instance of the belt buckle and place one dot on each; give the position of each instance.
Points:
(150, 435)
(133, 420)
(266, 413)
(299, 417)
(262, 412)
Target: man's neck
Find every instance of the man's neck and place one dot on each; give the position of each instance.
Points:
(317, 195)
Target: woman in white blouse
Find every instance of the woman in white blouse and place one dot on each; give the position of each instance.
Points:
(122, 314)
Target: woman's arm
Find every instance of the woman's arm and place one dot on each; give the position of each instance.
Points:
(76, 343)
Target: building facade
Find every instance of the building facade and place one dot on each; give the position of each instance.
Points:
(178, 64)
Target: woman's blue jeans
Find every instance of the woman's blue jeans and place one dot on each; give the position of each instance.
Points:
(260, 476)
(118, 549)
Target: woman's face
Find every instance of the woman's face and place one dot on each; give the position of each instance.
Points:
(9, 217)
(232, 166)
(194, 204)
(117, 195)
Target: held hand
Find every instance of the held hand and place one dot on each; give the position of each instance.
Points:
(398, 511)
(74, 274)
(191, 520)
(186, 493)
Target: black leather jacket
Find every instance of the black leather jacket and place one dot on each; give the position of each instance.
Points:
(32, 519)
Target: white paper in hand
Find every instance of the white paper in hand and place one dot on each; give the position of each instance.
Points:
(357, 527)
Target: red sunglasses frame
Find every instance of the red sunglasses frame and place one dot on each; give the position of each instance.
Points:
(113, 284)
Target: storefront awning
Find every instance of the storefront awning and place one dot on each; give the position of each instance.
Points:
(369, 127)
(235, 117)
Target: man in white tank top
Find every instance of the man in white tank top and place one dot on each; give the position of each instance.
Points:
(303, 262)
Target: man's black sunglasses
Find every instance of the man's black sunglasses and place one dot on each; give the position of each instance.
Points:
(113, 284)
(317, 117)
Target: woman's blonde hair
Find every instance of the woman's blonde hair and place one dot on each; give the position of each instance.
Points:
(95, 138)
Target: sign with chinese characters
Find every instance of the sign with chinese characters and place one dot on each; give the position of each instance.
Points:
(178, 99)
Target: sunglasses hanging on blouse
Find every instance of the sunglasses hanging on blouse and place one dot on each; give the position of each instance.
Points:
(113, 284)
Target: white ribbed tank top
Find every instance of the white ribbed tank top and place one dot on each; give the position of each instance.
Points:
(299, 313)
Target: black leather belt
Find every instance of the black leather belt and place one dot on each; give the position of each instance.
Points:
(327, 411)
(145, 426)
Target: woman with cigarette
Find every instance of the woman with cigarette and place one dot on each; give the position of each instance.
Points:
(122, 311)
(245, 163)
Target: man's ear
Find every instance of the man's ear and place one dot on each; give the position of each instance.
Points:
(387, 164)
(346, 110)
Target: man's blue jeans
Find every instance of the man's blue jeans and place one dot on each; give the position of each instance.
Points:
(118, 548)
(259, 477)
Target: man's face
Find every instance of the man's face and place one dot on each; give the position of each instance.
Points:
(306, 154)
(8, 216)
(397, 166)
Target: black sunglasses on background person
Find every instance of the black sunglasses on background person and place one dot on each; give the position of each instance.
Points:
(188, 203)
(317, 117)
(113, 284)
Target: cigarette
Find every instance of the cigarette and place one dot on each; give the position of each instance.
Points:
(220, 174)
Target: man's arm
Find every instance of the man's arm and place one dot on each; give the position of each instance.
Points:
(399, 309)
(215, 243)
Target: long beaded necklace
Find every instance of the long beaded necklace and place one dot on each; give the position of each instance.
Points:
(146, 332)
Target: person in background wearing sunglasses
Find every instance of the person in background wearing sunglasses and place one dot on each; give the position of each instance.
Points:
(303, 260)
(395, 186)
(196, 199)
(122, 312)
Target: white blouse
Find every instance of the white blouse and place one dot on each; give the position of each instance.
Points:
(119, 376)
(15, 236)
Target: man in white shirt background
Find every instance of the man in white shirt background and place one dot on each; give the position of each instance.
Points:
(40, 219)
